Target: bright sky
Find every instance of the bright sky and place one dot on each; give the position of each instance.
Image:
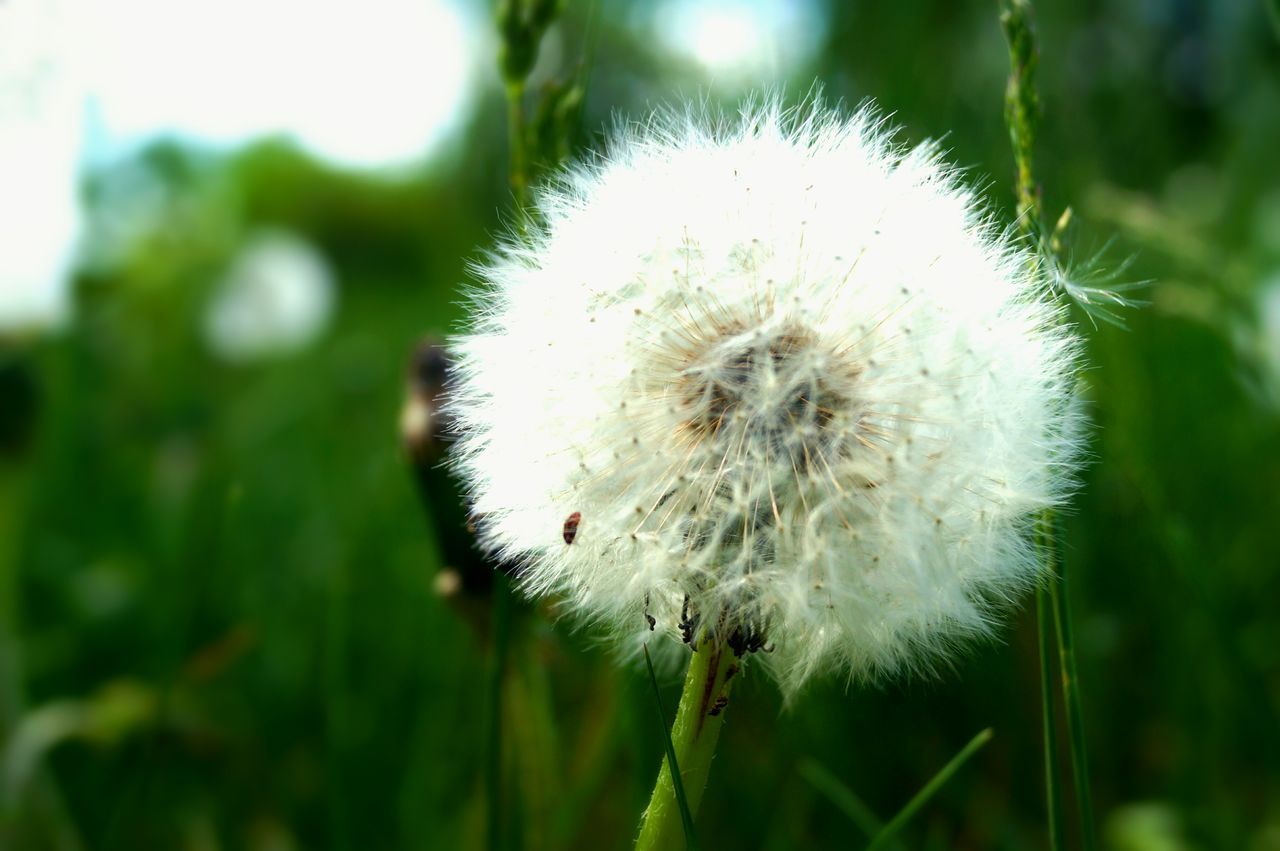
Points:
(371, 83)
(368, 84)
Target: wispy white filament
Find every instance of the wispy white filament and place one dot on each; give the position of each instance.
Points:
(796, 387)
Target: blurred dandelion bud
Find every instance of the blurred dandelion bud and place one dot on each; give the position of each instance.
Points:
(1269, 320)
(19, 401)
(464, 575)
(422, 423)
(775, 382)
(1258, 343)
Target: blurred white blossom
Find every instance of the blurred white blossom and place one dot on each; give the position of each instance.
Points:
(1261, 343)
(278, 296)
(773, 381)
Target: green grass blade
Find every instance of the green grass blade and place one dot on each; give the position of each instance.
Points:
(842, 796)
(500, 625)
(686, 815)
(1052, 791)
(1074, 713)
(930, 789)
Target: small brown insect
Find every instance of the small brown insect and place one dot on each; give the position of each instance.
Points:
(571, 526)
(718, 706)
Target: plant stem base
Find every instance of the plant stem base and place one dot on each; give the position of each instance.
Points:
(693, 735)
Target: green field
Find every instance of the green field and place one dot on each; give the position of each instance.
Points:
(221, 619)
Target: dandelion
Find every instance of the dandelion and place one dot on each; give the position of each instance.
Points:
(776, 383)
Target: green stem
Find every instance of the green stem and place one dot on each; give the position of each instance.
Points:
(500, 624)
(693, 744)
(1022, 113)
(1044, 617)
(1022, 107)
(34, 816)
(517, 687)
(336, 705)
(530, 725)
(1071, 697)
(519, 175)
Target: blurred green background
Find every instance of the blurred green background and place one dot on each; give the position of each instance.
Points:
(222, 623)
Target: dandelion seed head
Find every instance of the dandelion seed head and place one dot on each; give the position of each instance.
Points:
(793, 386)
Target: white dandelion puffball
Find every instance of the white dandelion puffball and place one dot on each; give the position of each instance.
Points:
(772, 381)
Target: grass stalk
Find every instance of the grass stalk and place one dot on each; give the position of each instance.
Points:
(842, 796)
(36, 816)
(522, 782)
(518, 174)
(1071, 699)
(531, 729)
(500, 624)
(336, 706)
(668, 820)
(1052, 770)
(890, 830)
(1022, 108)
(1022, 113)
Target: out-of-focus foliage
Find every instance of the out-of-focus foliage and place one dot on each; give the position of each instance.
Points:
(222, 618)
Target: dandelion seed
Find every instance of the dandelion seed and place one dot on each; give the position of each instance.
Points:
(823, 436)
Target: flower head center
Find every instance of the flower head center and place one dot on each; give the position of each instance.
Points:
(765, 394)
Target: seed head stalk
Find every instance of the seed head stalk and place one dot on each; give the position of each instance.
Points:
(517, 170)
(692, 745)
(1022, 113)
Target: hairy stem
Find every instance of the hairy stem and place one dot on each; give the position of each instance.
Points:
(693, 744)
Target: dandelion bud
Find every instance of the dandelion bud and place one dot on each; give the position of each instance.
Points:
(774, 381)
(422, 425)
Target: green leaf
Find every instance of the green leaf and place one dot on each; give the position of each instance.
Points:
(842, 796)
(686, 816)
(930, 789)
